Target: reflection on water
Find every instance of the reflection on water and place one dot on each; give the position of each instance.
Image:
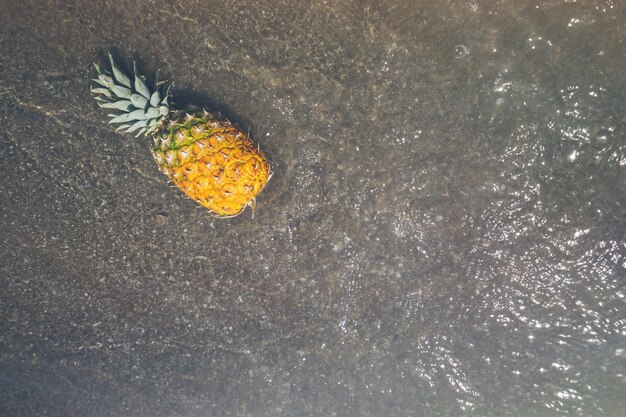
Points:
(500, 210)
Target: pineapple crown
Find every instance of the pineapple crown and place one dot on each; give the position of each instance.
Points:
(137, 106)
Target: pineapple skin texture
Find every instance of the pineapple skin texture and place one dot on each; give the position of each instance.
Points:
(211, 161)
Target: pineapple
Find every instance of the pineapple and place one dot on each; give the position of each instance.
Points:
(205, 155)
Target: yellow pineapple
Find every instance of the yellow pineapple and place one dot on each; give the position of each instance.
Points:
(205, 155)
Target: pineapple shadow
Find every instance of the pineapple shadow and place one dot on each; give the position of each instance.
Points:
(187, 99)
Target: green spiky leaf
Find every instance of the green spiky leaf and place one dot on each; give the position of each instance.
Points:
(137, 125)
(138, 115)
(99, 82)
(122, 127)
(128, 117)
(121, 92)
(140, 85)
(103, 91)
(106, 79)
(123, 105)
(118, 74)
(155, 99)
(138, 101)
(154, 123)
(152, 112)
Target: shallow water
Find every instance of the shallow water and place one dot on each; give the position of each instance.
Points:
(443, 234)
